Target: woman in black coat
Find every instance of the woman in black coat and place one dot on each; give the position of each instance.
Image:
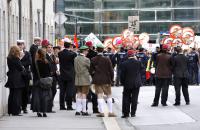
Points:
(15, 81)
(40, 96)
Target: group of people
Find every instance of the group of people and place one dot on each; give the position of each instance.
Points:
(74, 70)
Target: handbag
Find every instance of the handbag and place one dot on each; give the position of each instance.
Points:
(44, 83)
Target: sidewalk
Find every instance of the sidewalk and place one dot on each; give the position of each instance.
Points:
(184, 117)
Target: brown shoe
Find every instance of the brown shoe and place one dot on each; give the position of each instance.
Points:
(111, 115)
(100, 115)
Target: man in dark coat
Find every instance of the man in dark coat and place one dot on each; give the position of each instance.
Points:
(33, 50)
(143, 58)
(67, 76)
(53, 67)
(193, 67)
(181, 74)
(117, 59)
(131, 80)
(163, 75)
(26, 62)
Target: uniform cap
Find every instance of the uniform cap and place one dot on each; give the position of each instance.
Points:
(20, 41)
(83, 47)
(131, 52)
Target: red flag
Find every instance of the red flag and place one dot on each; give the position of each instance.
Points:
(75, 41)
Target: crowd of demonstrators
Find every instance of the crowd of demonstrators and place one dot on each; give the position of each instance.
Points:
(74, 71)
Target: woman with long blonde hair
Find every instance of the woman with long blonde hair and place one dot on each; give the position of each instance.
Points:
(15, 81)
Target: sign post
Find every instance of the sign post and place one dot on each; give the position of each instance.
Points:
(60, 19)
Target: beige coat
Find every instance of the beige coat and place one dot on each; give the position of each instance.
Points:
(82, 66)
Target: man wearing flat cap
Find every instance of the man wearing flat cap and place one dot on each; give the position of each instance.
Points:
(82, 80)
(130, 78)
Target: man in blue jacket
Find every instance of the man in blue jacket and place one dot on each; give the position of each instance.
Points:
(131, 80)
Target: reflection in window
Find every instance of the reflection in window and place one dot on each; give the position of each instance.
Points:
(163, 15)
(189, 14)
(155, 3)
(186, 3)
(127, 4)
(147, 15)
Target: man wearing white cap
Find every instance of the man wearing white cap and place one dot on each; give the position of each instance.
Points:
(26, 62)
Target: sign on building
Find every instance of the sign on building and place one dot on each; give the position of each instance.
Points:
(133, 23)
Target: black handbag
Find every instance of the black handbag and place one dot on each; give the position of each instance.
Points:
(44, 83)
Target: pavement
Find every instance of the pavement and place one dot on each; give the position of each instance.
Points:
(184, 117)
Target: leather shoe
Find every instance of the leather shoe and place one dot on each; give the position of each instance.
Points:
(154, 105)
(164, 105)
(125, 116)
(85, 114)
(176, 104)
(77, 114)
(70, 109)
(100, 115)
(187, 103)
(96, 112)
(63, 108)
(133, 115)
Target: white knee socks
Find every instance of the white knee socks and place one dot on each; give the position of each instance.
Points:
(78, 105)
(84, 105)
(100, 105)
(109, 101)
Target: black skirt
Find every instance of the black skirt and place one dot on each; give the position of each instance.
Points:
(15, 101)
(40, 98)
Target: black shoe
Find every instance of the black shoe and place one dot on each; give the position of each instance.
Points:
(176, 104)
(39, 114)
(125, 116)
(77, 114)
(70, 109)
(63, 108)
(96, 112)
(154, 105)
(85, 114)
(16, 115)
(25, 111)
(44, 115)
(51, 112)
(132, 115)
(187, 103)
(164, 104)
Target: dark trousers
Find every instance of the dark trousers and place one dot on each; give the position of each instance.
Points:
(130, 99)
(15, 101)
(53, 93)
(193, 74)
(25, 95)
(118, 76)
(161, 84)
(178, 82)
(67, 90)
(93, 98)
